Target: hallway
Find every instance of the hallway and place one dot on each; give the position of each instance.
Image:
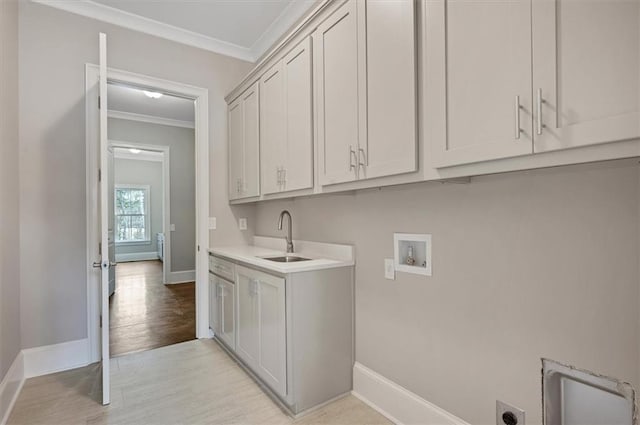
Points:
(146, 314)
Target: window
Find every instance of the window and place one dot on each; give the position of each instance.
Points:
(132, 213)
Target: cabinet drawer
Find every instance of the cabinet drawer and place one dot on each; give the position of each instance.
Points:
(222, 268)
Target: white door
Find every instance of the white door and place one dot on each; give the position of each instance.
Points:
(272, 361)
(341, 100)
(272, 130)
(391, 144)
(298, 173)
(586, 75)
(478, 77)
(107, 246)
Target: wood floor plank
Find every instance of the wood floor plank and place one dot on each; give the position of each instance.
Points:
(195, 382)
(146, 314)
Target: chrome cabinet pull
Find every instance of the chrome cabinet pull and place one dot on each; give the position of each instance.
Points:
(352, 153)
(539, 124)
(284, 177)
(366, 160)
(518, 107)
(279, 181)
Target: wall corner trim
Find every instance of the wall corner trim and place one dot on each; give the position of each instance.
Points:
(54, 358)
(395, 402)
(10, 387)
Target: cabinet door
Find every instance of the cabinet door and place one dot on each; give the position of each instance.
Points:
(298, 89)
(227, 313)
(236, 148)
(340, 100)
(586, 71)
(273, 344)
(391, 144)
(214, 314)
(478, 80)
(251, 156)
(247, 338)
(272, 129)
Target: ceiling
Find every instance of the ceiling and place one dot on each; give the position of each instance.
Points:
(244, 29)
(133, 101)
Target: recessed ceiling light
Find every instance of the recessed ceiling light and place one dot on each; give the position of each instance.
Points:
(134, 150)
(152, 94)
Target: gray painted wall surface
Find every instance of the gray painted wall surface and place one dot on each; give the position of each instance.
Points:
(526, 265)
(149, 173)
(54, 47)
(182, 173)
(9, 185)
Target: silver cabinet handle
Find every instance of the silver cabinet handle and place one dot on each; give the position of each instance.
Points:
(284, 177)
(278, 176)
(539, 101)
(366, 160)
(518, 107)
(352, 153)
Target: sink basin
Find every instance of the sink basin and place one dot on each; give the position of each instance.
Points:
(287, 259)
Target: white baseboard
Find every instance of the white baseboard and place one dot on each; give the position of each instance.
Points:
(182, 277)
(398, 404)
(10, 387)
(40, 361)
(136, 256)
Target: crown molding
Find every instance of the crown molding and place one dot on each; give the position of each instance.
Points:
(278, 28)
(138, 23)
(130, 116)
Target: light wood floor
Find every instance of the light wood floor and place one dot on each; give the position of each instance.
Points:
(194, 382)
(145, 313)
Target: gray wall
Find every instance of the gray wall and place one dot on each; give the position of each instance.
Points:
(149, 173)
(54, 47)
(9, 184)
(527, 265)
(181, 142)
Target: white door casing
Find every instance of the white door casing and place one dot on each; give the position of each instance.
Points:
(200, 96)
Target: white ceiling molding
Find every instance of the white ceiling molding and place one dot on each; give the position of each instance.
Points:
(130, 116)
(122, 153)
(289, 16)
(134, 22)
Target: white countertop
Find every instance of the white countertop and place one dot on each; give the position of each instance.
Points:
(322, 255)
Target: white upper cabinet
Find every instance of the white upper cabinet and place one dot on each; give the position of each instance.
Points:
(244, 137)
(286, 131)
(478, 79)
(390, 146)
(298, 90)
(273, 120)
(366, 91)
(340, 100)
(586, 71)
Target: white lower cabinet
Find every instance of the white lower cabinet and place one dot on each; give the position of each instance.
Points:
(262, 326)
(293, 331)
(222, 309)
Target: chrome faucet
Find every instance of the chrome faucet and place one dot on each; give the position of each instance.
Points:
(289, 238)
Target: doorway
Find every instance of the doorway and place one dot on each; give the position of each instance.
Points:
(199, 172)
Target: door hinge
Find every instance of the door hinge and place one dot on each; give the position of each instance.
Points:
(101, 320)
(100, 248)
(99, 103)
(198, 248)
(99, 175)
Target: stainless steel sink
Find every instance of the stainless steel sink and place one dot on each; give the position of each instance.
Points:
(287, 259)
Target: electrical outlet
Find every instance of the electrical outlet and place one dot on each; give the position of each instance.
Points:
(389, 269)
(508, 415)
(242, 223)
(213, 223)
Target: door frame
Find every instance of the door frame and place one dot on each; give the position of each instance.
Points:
(166, 197)
(201, 101)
